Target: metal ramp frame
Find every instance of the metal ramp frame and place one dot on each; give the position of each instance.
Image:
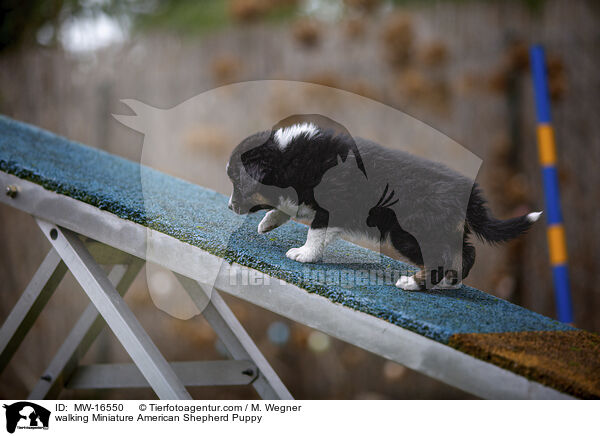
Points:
(107, 307)
(118, 239)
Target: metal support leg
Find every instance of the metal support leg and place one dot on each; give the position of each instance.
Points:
(81, 337)
(115, 312)
(236, 340)
(127, 375)
(32, 302)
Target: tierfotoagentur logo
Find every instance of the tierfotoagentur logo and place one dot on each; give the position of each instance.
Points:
(24, 415)
(313, 154)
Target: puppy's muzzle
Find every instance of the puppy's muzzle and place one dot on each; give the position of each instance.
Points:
(238, 208)
(232, 206)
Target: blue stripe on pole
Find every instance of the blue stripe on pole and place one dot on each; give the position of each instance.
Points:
(562, 293)
(551, 193)
(542, 99)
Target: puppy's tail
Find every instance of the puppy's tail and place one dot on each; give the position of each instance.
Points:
(481, 221)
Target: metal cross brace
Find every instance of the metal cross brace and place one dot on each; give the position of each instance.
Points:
(107, 306)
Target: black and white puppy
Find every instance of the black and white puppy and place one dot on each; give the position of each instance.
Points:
(346, 185)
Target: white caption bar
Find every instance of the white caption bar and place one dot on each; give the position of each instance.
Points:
(296, 417)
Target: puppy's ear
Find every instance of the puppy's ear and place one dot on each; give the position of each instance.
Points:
(263, 164)
(349, 146)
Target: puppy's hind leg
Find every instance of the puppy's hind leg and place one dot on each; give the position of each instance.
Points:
(272, 220)
(409, 283)
(434, 273)
(468, 258)
(407, 246)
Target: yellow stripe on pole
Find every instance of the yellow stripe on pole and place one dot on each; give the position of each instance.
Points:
(546, 144)
(557, 244)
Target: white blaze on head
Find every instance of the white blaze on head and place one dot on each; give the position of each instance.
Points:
(285, 135)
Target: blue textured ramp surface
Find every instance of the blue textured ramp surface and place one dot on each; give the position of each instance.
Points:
(200, 217)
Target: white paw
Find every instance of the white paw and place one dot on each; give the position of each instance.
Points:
(266, 225)
(272, 220)
(407, 283)
(303, 254)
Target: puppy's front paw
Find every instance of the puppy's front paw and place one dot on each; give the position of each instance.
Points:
(303, 254)
(408, 283)
(271, 221)
(266, 225)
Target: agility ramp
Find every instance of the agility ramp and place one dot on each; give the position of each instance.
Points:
(90, 206)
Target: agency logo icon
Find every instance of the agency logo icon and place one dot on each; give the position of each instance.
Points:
(26, 415)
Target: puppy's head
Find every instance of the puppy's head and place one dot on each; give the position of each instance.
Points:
(247, 176)
(279, 164)
(268, 166)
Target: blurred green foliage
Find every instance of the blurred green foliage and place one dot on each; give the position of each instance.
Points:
(193, 16)
(186, 15)
(22, 20)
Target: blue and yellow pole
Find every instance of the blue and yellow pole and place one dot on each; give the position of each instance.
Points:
(547, 154)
